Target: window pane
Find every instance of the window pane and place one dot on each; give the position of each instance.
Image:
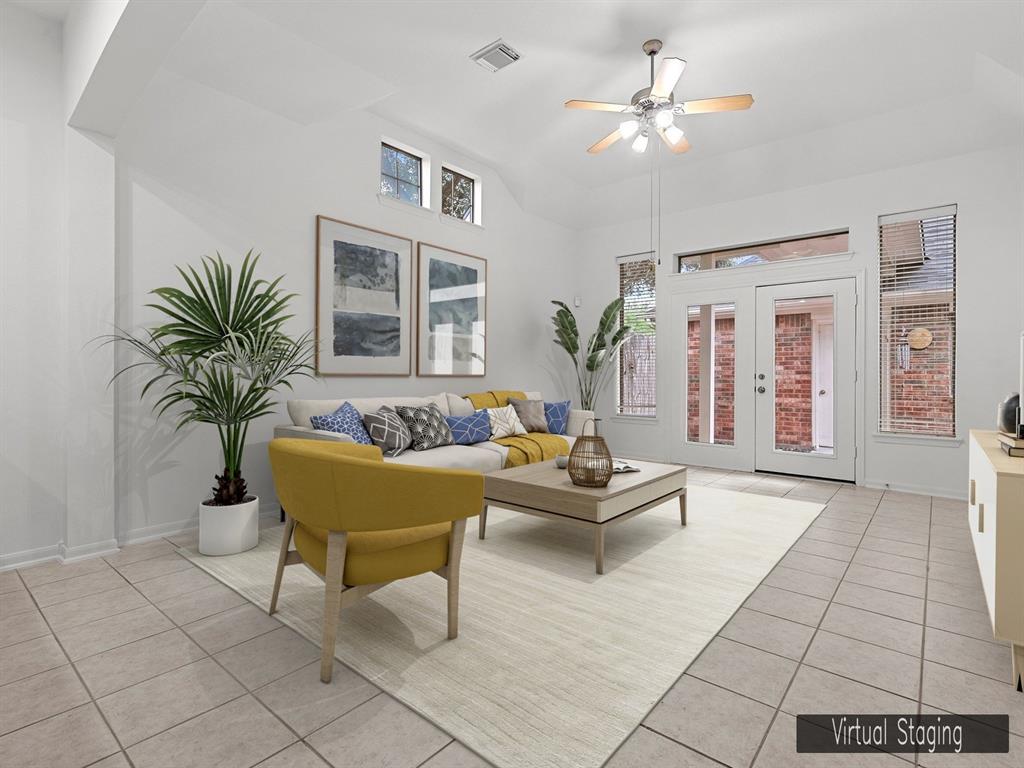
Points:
(387, 160)
(917, 323)
(388, 186)
(711, 374)
(456, 195)
(408, 168)
(408, 192)
(689, 263)
(777, 250)
(804, 356)
(638, 354)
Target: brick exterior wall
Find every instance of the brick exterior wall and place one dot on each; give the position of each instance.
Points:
(724, 375)
(923, 391)
(794, 382)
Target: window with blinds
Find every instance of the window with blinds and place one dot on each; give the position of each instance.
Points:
(637, 356)
(917, 322)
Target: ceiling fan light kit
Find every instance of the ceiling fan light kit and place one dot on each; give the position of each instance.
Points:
(654, 108)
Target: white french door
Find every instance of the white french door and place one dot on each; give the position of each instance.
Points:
(767, 378)
(804, 386)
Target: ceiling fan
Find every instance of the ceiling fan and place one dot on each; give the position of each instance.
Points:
(655, 109)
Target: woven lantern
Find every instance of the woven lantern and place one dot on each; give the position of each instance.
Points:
(590, 461)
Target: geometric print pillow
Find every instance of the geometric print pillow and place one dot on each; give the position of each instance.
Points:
(388, 431)
(426, 425)
(345, 420)
(505, 422)
(557, 415)
(469, 430)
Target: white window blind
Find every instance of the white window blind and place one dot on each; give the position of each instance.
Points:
(637, 356)
(917, 322)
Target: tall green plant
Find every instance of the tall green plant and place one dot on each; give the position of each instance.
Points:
(221, 356)
(593, 364)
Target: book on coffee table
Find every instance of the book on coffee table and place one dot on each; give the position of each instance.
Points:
(619, 466)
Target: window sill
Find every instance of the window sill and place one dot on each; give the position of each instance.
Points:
(454, 222)
(401, 205)
(896, 438)
(625, 418)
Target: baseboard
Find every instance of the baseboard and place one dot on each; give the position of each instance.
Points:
(27, 557)
(83, 551)
(925, 490)
(176, 527)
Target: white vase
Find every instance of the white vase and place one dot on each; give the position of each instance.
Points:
(229, 530)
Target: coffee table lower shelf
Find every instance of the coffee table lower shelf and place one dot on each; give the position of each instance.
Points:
(598, 527)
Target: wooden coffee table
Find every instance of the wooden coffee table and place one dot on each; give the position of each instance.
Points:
(544, 490)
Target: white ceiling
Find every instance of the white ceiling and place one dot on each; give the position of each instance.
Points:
(810, 66)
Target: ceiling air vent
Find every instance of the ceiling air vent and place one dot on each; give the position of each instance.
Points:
(495, 56)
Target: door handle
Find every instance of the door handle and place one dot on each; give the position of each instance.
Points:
(821, 391)
(760, 390)
(981, 518)
(972, 502)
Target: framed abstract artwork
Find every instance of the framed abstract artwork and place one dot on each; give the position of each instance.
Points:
(363, 301)
(451, 313)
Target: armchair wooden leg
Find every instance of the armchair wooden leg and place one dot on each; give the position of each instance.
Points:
(286, 539)
(455, 540)
(334, 574)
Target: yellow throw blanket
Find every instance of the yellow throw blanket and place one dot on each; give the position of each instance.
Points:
(531, 448)
(497, 398)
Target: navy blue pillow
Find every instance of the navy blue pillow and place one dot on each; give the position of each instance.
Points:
(557, 415)
(467, 430)
(346, 420)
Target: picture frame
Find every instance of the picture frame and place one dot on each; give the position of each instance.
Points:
(363, 300)
(451, 315)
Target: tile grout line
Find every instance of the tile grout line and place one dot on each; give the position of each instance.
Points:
(800, 663)
(924, 634)
(683, 673)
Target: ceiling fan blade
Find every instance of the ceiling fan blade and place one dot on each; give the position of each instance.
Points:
(720, 104)
(606, 142)
(600, 106)
(679, 147)
(668, 75)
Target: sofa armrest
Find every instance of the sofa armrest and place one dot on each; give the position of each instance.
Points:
(577, 421)
(308, 433)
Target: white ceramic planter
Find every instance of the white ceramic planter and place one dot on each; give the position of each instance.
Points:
(229, 530)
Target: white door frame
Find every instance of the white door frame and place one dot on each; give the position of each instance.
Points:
(841, 463)
(690, 288)
(739, 455)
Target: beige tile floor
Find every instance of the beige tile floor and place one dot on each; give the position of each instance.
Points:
(140, 659)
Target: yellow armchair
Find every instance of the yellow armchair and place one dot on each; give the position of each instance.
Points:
(360, 524)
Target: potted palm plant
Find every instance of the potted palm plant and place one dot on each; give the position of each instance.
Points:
(593, 364)
(219, 359)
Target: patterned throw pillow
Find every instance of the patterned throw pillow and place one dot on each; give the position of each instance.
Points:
(557, 415)
(387, 431)
(469, 430)
(505, 422)
(530, 413)
(426, 425)
(345, 420)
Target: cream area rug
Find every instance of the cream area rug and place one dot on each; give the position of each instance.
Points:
(554, 665)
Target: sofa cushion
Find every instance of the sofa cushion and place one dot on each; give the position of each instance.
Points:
(530, 413)
(459, 406)
(467, 430)
(388, 431)
(557, 415)
(505, 422)
(426, 425)
(454, 457)
(345, 420)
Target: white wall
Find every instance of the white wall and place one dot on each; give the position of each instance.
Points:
(201, 172)
(988, 187)
(33, 284)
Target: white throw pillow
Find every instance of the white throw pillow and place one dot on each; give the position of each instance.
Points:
(505, 422)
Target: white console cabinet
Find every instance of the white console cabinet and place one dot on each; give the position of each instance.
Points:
(997, 526)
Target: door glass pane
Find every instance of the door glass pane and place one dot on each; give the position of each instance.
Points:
(804, 356)
(711, 373)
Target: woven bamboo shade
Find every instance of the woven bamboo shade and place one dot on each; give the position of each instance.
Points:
(590, 461)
